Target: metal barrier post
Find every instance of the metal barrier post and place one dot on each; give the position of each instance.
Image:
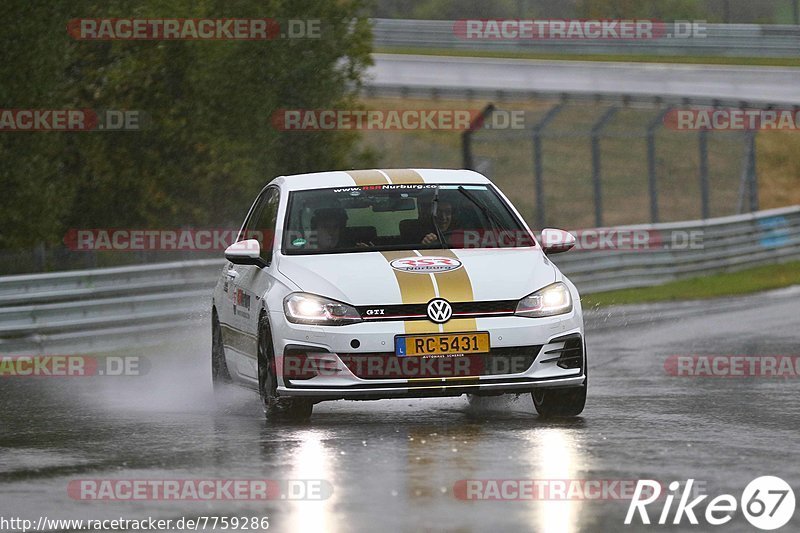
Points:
(466, 137)
(752, 176)
(702, 143)
(652, 177)
(538, 173)
(597, 128)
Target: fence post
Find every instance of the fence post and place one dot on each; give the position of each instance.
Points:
(466, 137)
(752, 175)
(538, 172)
(743, 200)
(702, 142)
(597, 128)
(652, 177)
(40, 257)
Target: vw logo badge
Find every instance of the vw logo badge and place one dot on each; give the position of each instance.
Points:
(439, 310)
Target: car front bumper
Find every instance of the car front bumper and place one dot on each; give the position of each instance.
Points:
(332, 348)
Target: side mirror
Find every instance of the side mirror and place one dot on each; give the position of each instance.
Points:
(246, 252)
(555, 241)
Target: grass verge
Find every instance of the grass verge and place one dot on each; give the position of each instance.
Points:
(726, 284)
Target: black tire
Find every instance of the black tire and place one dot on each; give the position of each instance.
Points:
(220, 377)
(275, 407)
(552, 403)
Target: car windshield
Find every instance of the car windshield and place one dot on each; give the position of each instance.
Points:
(400, 217)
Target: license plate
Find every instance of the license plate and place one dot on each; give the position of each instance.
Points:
(446, 344)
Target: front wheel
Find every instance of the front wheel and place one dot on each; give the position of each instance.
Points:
(559, 402)
(275, 407)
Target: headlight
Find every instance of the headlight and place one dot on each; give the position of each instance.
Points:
(552, 300)
(302, 308)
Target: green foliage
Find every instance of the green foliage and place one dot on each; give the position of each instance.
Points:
(748, 281)
(207, 145)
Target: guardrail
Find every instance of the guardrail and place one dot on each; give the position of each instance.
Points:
(724, 244)
(105, 309)
(111, 309)
(742, 40)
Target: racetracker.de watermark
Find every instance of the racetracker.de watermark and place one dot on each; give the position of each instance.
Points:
(71, 120)
(545, 489)
(381, 366)
(395, 119)
(629, 239)
(177, 29)
(196, 523)
(733, 366)
(70, 366)
(177, 240)
(198, 490)
(577, 29)
(733, 119)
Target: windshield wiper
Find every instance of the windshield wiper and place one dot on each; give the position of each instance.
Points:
(493, 218)
(434, 212)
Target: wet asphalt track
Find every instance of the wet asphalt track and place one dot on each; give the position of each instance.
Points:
(393, 464)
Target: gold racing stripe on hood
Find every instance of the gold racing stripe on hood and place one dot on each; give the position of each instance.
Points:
(404, 176)
(414, 289)
(454, 286)
(368, 177)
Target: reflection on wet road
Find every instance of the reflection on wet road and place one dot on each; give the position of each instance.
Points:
(398, 465)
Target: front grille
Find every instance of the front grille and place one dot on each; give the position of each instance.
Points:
(419, 311)
(390, 366)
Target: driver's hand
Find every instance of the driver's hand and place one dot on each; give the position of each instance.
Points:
(429, 238)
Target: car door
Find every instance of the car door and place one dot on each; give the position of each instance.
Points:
(230, 302)
(250, 282)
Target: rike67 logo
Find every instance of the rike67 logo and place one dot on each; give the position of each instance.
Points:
(767, 502)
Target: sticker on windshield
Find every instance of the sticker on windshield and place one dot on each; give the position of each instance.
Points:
(467, 187)
(298, 242)
(425, 265)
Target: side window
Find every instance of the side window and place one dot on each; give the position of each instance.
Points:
(265, 223)
(261, 223)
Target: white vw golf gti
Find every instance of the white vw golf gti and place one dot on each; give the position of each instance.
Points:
(376, 284)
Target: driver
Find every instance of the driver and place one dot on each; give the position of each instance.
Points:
(329, 223)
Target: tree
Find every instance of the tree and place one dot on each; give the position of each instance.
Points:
(207, 144)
